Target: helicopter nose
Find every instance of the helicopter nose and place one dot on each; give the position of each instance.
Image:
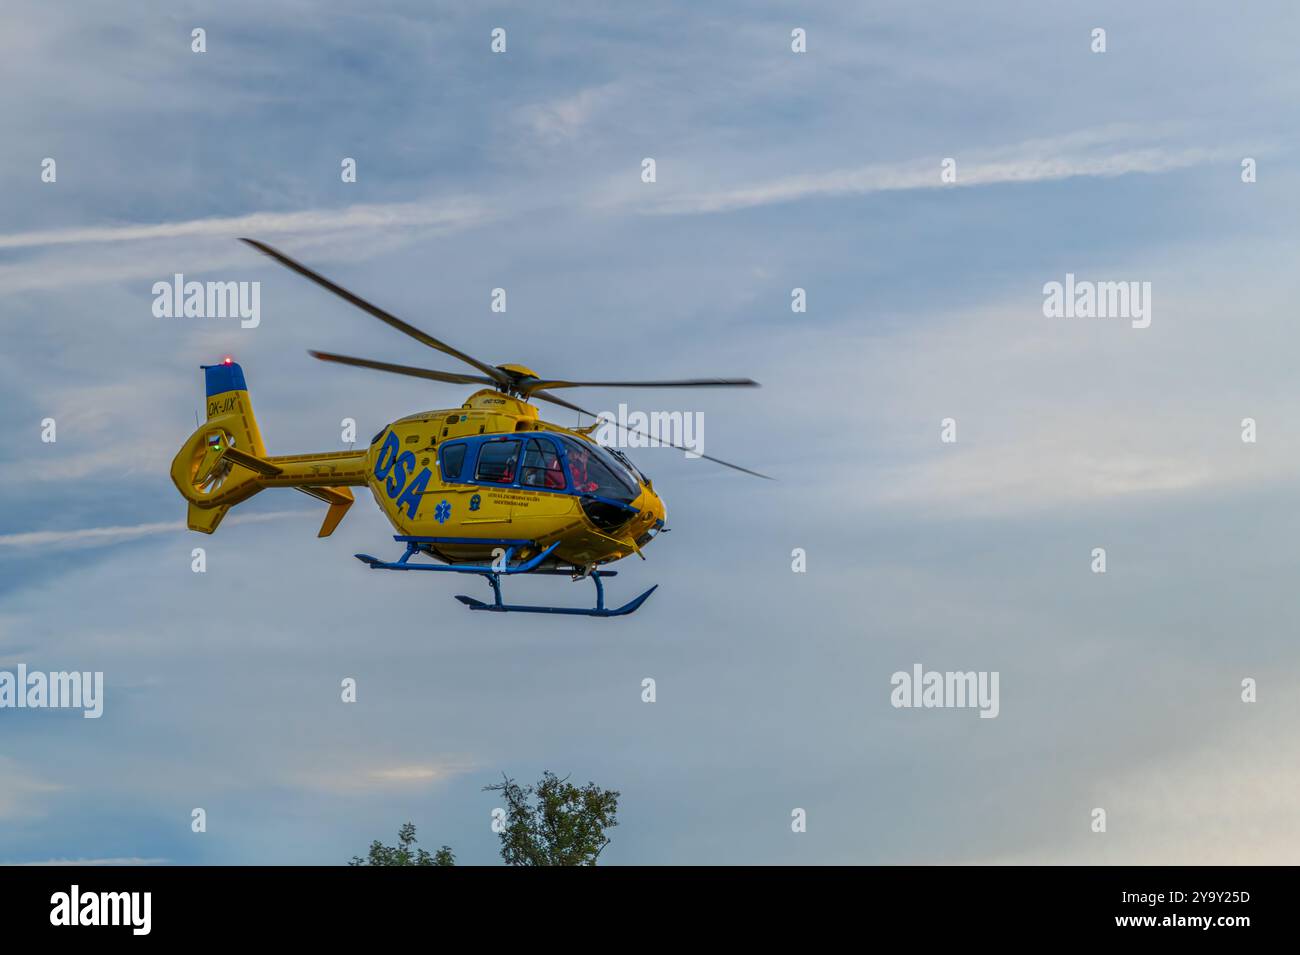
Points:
(652, 511)
(660, 512)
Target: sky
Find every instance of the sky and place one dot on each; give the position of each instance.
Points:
(775, 170)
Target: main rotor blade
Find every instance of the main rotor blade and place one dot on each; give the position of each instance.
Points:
(533, 386)
(544, 396)
(497, 375)
(448, 376)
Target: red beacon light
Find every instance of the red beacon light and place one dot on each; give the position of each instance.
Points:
(227, 360)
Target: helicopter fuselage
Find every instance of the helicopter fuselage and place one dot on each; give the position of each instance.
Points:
(492, 470)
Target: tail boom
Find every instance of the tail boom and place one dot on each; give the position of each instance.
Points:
(224, 461)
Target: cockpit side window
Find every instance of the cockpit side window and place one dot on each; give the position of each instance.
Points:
(452, 459)
(542, 465)
(497, 462)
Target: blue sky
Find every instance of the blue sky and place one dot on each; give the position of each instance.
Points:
(775, 170)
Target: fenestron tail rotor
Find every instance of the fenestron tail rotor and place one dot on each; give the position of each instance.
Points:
(511, 379)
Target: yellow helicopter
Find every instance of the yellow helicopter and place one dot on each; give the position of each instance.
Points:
(487, 488)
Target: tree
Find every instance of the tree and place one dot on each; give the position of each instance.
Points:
(401, 853)
(564, 826)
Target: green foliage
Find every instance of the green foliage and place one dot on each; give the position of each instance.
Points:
(402, 853)
(555, 822)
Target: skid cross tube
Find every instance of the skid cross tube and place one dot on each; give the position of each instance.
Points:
(495, 571)
(413, 548)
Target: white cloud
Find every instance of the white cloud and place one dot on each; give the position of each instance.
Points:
(1053, 413)
(924, 173)
(21, 793)
(125, 860)
(1228, 802)
(384, 778)
(1043, 464)
(120, 253)
(429, 213)
(561, 119)
(103, 536)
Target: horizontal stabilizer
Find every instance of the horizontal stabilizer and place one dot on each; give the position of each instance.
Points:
(205, 519)
(339, 500)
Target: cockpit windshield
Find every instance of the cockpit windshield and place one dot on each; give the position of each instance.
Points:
(623, 459)
(595, 471)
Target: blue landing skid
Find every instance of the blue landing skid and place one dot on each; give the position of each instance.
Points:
(506, 566)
